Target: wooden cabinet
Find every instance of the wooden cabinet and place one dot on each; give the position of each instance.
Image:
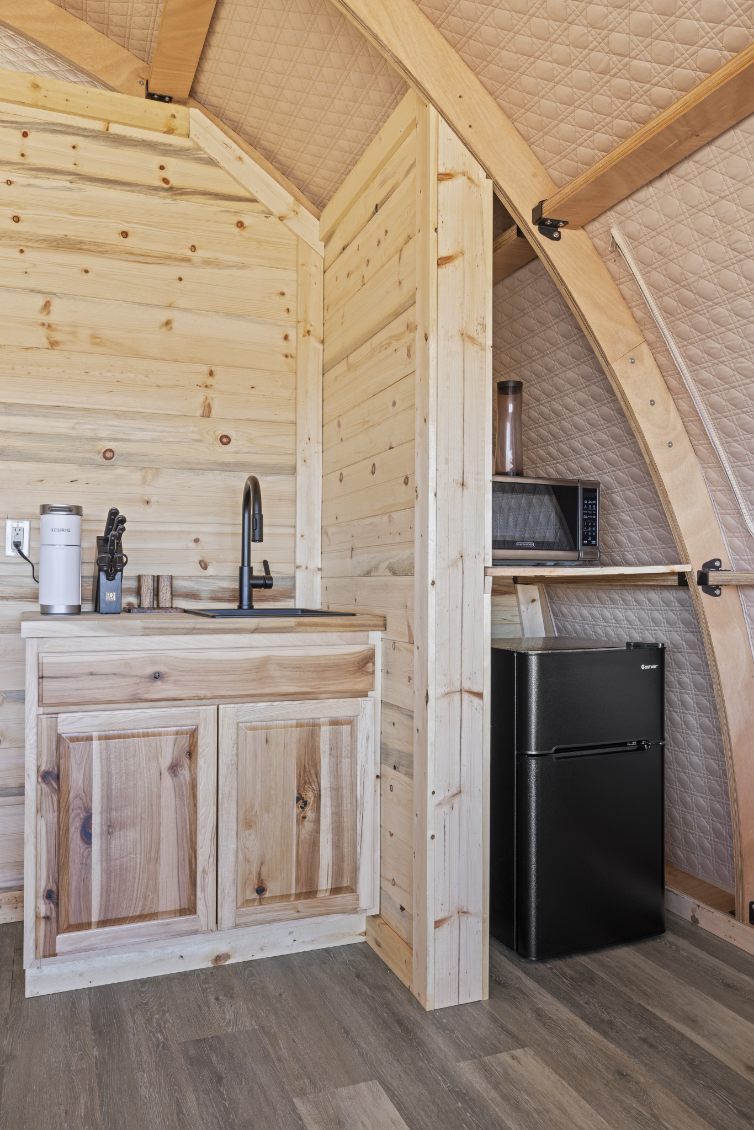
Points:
(297, 810)
(199, 786)
(126, 829)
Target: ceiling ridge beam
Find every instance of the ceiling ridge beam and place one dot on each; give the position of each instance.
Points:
(720, 101)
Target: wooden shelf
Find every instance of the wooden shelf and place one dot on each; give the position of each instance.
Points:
(591, 574)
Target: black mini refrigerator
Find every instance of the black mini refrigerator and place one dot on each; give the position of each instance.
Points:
(576, 794)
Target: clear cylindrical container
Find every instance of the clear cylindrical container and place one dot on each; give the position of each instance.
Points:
(509, 450)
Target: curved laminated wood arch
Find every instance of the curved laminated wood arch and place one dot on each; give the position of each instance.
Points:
(400, 31)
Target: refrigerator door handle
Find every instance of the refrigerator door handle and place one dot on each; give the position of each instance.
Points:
(601, 751)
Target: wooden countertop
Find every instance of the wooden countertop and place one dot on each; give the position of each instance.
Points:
(36, 626)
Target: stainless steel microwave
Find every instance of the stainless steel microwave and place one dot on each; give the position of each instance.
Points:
(545, 519)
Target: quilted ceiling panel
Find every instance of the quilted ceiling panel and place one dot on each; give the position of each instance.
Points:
(300, 83)
(131, 23)
(18, 54)
(578, 76)
(574, 426)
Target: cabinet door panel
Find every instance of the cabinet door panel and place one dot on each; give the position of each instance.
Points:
(127, 834)
(127, 826)
(292, 799)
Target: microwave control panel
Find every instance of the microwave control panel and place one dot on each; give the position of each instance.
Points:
(589, 516)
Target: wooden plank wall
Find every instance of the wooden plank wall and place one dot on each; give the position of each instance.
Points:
(369, 228)
(148, 359)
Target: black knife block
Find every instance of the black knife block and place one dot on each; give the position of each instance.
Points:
(108, 594)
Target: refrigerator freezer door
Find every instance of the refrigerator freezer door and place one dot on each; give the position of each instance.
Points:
(590, 859)
(572, 699)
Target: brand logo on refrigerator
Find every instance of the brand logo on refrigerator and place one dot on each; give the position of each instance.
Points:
(649, 666)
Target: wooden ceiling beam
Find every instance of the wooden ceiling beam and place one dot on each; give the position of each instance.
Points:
(404, 35)
(68, 37)
(178, 47)
(724, 98)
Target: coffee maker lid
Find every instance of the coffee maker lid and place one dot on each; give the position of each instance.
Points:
(59, 508)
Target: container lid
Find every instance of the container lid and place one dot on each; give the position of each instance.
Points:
(59, 508)
(510, 386)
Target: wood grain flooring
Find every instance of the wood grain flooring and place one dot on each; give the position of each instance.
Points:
(655, 1035)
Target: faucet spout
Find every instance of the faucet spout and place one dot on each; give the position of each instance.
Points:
(252, 530)
(252, 520)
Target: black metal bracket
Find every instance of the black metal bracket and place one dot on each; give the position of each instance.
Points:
(714, 565)
(155, 97)
(546, 225)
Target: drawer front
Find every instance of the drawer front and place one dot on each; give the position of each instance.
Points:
(217, 676)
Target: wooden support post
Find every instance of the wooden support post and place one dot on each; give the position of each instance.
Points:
(309, 333)
(534, 611)
(453, 469)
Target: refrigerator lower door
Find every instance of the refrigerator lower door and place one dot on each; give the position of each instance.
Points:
(589, 850)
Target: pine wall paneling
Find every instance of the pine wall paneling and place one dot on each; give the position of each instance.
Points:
(151, 329)
(369, 229)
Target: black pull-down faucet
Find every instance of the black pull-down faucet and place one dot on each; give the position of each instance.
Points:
(252, 529)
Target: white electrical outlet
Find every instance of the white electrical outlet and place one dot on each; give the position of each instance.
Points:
(16, 529)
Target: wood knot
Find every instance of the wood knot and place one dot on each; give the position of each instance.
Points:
(108, 454)
(86, 830)
(124, 235)
(49, 777)
(157, 675)
(51, 896)
(221, 959)
(301, 802)
(224, 440)
(261, 891)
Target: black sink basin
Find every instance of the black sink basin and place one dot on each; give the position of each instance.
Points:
(253, 613)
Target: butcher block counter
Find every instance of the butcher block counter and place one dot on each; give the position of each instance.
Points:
(198, 791)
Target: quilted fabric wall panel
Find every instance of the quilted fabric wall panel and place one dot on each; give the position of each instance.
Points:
(690, 232)
(577, 76)
(573, 425)
(18, 54)
(131, 23)
(300, 83)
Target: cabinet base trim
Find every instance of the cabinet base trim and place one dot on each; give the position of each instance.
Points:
(58, 975)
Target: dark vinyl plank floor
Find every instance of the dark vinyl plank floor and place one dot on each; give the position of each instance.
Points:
(655, 1035)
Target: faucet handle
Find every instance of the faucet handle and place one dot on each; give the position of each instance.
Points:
(267, 574)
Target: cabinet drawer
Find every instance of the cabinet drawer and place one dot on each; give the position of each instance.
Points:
(218, 676)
